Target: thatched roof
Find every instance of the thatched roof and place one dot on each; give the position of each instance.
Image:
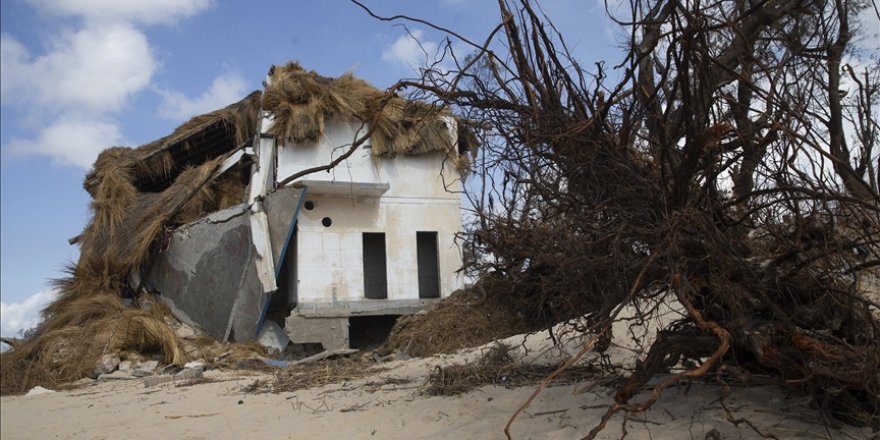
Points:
(300, 101)
(203, 137)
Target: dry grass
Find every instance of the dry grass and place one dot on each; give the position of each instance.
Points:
(497, 367)
(315, 375)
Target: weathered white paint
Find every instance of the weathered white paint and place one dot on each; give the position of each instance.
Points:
(422, 195)
(229, 162)
(264, 167)
(260, 181)
(264, 261)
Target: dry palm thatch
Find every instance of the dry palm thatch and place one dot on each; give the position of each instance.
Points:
(156, 160)
(89, 319)
(300, 101)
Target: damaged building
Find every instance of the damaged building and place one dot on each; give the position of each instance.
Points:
(267, 237)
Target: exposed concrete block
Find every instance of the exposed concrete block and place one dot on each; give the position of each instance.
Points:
(272, 336)
(107, 364)
(186, 375)
(331, 333)
(145, 368)
(200, 273)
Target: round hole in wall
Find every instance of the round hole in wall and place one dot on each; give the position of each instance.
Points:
(309, 205)
(326, 221)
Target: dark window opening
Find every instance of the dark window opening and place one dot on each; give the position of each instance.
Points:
(375, 268)
(369, 332)
(326, 221)
(429, 266)
(309, 205)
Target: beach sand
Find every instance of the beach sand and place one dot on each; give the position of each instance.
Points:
(391, 404)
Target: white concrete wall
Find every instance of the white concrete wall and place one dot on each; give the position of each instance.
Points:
(420, 198)
(426, 176)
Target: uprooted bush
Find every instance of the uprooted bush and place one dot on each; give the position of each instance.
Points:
(710, 168)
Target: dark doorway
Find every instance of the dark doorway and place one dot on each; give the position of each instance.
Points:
(375, 276)
(429, 268)
(369, 332)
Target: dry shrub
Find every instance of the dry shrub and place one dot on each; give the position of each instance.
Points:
(498, 367)
(467, 318)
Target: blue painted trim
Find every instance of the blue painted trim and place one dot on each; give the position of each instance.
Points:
(290, 231)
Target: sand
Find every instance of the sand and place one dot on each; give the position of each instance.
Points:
(373, 408)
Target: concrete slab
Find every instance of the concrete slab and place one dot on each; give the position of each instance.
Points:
(203, 269)
(280, 207)
(208, 275)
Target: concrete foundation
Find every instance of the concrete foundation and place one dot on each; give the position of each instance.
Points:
(331, 333)
(327, 323)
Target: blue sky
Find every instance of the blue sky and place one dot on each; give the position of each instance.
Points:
(81, 75)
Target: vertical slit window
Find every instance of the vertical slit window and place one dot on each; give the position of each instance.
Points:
(375, 266)
(429, 267)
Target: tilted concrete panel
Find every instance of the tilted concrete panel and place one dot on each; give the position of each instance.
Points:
(280, 207)
(208, 272)
(200, 273)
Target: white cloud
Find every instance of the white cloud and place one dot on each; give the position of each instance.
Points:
(88, 73)
(13, 64)
(93, 70)
(25, 315)
(410, 50)
(136, 11)
(869, 24)
(224, 90)
(70, 141)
